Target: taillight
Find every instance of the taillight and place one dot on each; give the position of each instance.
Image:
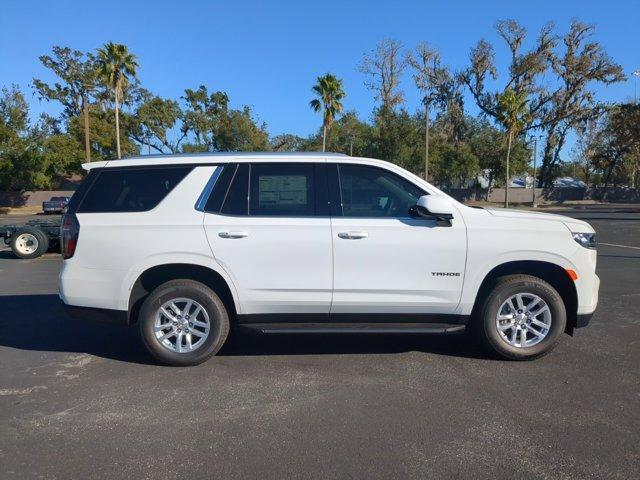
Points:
(69, 232)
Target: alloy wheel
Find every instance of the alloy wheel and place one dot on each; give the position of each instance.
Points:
(181, 325)
(523, 320)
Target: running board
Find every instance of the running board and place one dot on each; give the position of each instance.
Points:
(322, 328)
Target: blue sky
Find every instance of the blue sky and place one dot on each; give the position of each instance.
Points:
(267, 54)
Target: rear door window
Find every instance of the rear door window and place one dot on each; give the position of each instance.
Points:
(286, 189)
(271, 189)
(220, 188)
(236, 202)
(131, 189)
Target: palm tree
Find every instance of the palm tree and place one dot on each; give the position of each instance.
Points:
(116, 65)
(330, 93)
(513, 114)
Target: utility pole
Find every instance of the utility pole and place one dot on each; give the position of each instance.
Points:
(426, 140)
(636, 74)
(535, 173)
(85, 113)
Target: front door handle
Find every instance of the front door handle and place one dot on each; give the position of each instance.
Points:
(233, 234)
(353, 235)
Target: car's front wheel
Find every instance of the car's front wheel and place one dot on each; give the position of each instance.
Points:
(183, 322)
(521, 318)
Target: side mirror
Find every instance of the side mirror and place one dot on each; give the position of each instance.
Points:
(434, 207)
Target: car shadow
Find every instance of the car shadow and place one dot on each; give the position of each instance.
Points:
(8, 255)
(40, 323)
(242, 343)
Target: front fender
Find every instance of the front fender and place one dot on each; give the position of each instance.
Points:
(475, 276)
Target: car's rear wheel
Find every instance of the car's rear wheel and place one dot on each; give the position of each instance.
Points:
(522, 318)
(29, 242)
(183, 322)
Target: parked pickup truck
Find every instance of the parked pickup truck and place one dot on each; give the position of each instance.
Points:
(55, 205)
(32, 239)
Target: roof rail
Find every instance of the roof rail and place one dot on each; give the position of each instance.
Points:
(234, 154)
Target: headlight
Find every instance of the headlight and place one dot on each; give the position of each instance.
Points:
(587, 240)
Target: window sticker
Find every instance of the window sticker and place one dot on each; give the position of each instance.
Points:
(276, 190)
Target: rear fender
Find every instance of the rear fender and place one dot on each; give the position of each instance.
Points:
(173, 258)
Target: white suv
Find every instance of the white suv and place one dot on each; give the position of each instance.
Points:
(190, 246)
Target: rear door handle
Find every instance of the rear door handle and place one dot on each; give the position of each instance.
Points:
(233, 234)
(353, 235)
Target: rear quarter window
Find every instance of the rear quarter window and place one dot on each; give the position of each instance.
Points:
(131, 189)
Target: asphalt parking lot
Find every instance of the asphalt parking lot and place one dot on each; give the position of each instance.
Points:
(83, 401)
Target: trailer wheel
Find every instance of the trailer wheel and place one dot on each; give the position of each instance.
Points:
(29, 242)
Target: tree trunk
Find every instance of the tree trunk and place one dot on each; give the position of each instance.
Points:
(87, 142)
(117, 125)
(324, 138)
(609, 172)
(426, 142)
(506, 185)
(551, 157)
(544, 174)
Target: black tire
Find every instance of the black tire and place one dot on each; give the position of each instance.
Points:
(215, 309)
(41, 239)
(485, 327)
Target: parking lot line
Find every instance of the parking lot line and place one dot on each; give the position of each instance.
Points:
(619, 246)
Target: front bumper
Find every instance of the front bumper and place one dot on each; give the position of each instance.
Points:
(587, 288)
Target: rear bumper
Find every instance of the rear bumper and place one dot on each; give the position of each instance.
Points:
(98, 315)
(90, 287)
